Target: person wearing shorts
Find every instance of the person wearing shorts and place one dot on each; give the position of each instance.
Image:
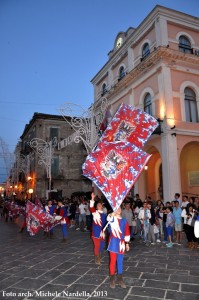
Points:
(169, 226)
(177, 211)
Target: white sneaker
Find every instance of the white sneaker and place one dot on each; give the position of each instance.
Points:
(71, 226)
(78, 228)
(158, 241)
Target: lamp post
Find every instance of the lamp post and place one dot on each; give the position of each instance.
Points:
(44, 150)
(85, 123)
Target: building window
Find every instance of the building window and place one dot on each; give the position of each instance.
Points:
(145, 50)
(55, 166)
(121, 73)
(185, 44)
(190, 106)
(104, 89)
(53, 133)
(148, 104)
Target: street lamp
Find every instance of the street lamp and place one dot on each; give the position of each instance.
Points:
(44, 150)
(2, 191)
(30, 191)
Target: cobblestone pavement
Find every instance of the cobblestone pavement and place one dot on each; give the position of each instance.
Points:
(41, 268)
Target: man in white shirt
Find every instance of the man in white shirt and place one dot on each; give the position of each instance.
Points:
(145, 216)
(82, 215)
(185, 202)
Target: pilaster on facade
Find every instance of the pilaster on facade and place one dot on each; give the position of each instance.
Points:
(161, 32)
(131, 98)
(170, 166)
(130, 59)
(110, 77)
(166, 96)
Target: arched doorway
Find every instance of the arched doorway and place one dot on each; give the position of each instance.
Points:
(153, 175)
(189, 169)
(151, 178)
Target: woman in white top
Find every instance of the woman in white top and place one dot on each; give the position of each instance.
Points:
(189, 214)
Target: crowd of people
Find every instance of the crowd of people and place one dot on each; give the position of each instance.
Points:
(151, 222)
(156, 222)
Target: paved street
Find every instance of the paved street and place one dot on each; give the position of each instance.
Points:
(40, 268)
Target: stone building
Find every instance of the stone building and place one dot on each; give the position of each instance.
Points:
(155, 67)
(66, 164)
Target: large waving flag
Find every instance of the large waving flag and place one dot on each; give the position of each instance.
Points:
(130, 124)
(114, 168)
(15, 210)
(116, 163)
(37, 218)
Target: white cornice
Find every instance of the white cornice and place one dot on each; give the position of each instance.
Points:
(184, 69)
(179, 131)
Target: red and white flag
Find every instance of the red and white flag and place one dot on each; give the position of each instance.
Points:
(118, 160)
(37, 218)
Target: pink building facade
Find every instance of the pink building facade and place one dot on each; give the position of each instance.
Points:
(155, 67)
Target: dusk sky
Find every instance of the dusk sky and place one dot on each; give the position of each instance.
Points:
(51, 49)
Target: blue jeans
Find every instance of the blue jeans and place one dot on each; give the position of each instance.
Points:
(146, 231)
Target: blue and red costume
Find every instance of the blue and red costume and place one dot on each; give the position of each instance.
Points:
(99, 221)
(50, 209)
(64, 220)
(119, 236)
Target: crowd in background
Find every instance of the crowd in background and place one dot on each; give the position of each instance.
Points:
(150, 221)
(156, 222)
